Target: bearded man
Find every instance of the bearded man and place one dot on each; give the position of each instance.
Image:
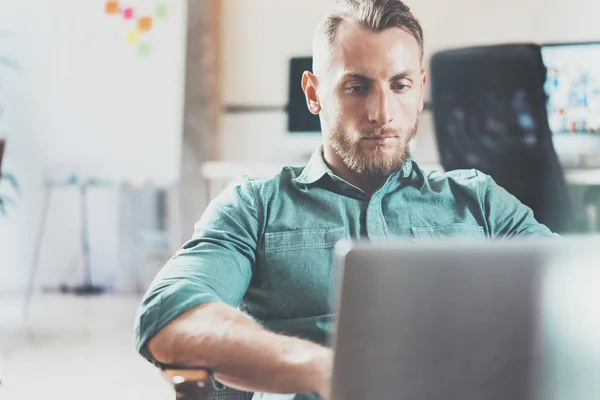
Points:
(250, 295)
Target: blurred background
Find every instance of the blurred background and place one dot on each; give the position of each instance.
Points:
(122, 119)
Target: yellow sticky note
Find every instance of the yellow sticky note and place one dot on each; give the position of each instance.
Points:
(133, 37)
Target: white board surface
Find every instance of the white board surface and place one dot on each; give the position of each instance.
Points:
(117, 91)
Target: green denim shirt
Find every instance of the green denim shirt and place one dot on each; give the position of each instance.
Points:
(267, 245)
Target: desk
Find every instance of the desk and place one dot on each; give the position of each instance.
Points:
(583, 176)
(110, 222)
(573, 176)
(588, 180)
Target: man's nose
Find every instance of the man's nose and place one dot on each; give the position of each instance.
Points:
(380, 112)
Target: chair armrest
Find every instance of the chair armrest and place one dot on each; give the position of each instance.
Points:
(189, 384)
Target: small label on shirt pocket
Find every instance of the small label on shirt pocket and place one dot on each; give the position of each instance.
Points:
(303, 239)
(449, 231)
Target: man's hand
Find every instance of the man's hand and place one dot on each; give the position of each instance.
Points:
(324, 384)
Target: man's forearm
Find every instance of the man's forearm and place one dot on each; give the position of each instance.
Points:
(242, 353)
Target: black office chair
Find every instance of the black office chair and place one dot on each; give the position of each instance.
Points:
(489, 110)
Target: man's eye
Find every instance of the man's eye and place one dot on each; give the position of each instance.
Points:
(356, 89)
(400, 88)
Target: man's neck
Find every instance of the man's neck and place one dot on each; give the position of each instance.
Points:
(367, 183)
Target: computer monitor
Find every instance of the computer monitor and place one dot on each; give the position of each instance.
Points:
(304, 128)
(573, 99)
(300, 120)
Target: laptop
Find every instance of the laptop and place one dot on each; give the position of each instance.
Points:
(457, 319)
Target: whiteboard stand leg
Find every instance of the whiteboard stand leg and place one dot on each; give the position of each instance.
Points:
(37, 251)
(87, 288)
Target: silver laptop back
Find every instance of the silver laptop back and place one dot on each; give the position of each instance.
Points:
(516, 320)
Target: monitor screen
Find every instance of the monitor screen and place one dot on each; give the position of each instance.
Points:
(573, 87)
(299, 118)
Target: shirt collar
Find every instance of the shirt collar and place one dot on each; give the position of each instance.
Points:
(316, 169)
(407, 168)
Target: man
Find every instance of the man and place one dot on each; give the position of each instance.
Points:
(268, 245)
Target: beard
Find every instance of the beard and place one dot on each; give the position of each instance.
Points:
(377, 162)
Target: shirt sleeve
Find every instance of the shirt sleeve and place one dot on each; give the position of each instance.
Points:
(506, 216)
(215, 265)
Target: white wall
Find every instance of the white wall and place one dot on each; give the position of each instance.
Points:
(25, 138)
(260, 36)
(26, 41)
(26, 31)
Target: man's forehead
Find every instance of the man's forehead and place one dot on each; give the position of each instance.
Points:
(356, 47)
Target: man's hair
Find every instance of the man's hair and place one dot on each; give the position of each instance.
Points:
(377, 15)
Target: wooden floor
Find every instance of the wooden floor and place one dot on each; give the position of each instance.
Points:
(74, 348)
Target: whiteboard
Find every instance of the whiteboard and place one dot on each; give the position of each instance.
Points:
(117, 91)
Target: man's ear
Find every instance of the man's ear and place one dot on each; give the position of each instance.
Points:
(423, 83)
(309, 86)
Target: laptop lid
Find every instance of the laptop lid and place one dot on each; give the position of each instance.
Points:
(469, 320)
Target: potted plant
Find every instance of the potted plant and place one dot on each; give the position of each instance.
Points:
(5, 178)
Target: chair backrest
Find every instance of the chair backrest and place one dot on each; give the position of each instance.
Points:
(490, 114)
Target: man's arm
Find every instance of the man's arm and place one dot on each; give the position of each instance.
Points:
(189, 314)
(242, 354)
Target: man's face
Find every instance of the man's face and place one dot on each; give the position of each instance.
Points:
(370, 95)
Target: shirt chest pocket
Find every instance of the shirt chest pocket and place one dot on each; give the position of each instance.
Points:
(300, 265)
(449, 231)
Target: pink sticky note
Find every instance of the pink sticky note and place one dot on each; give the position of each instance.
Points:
(128, 13)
